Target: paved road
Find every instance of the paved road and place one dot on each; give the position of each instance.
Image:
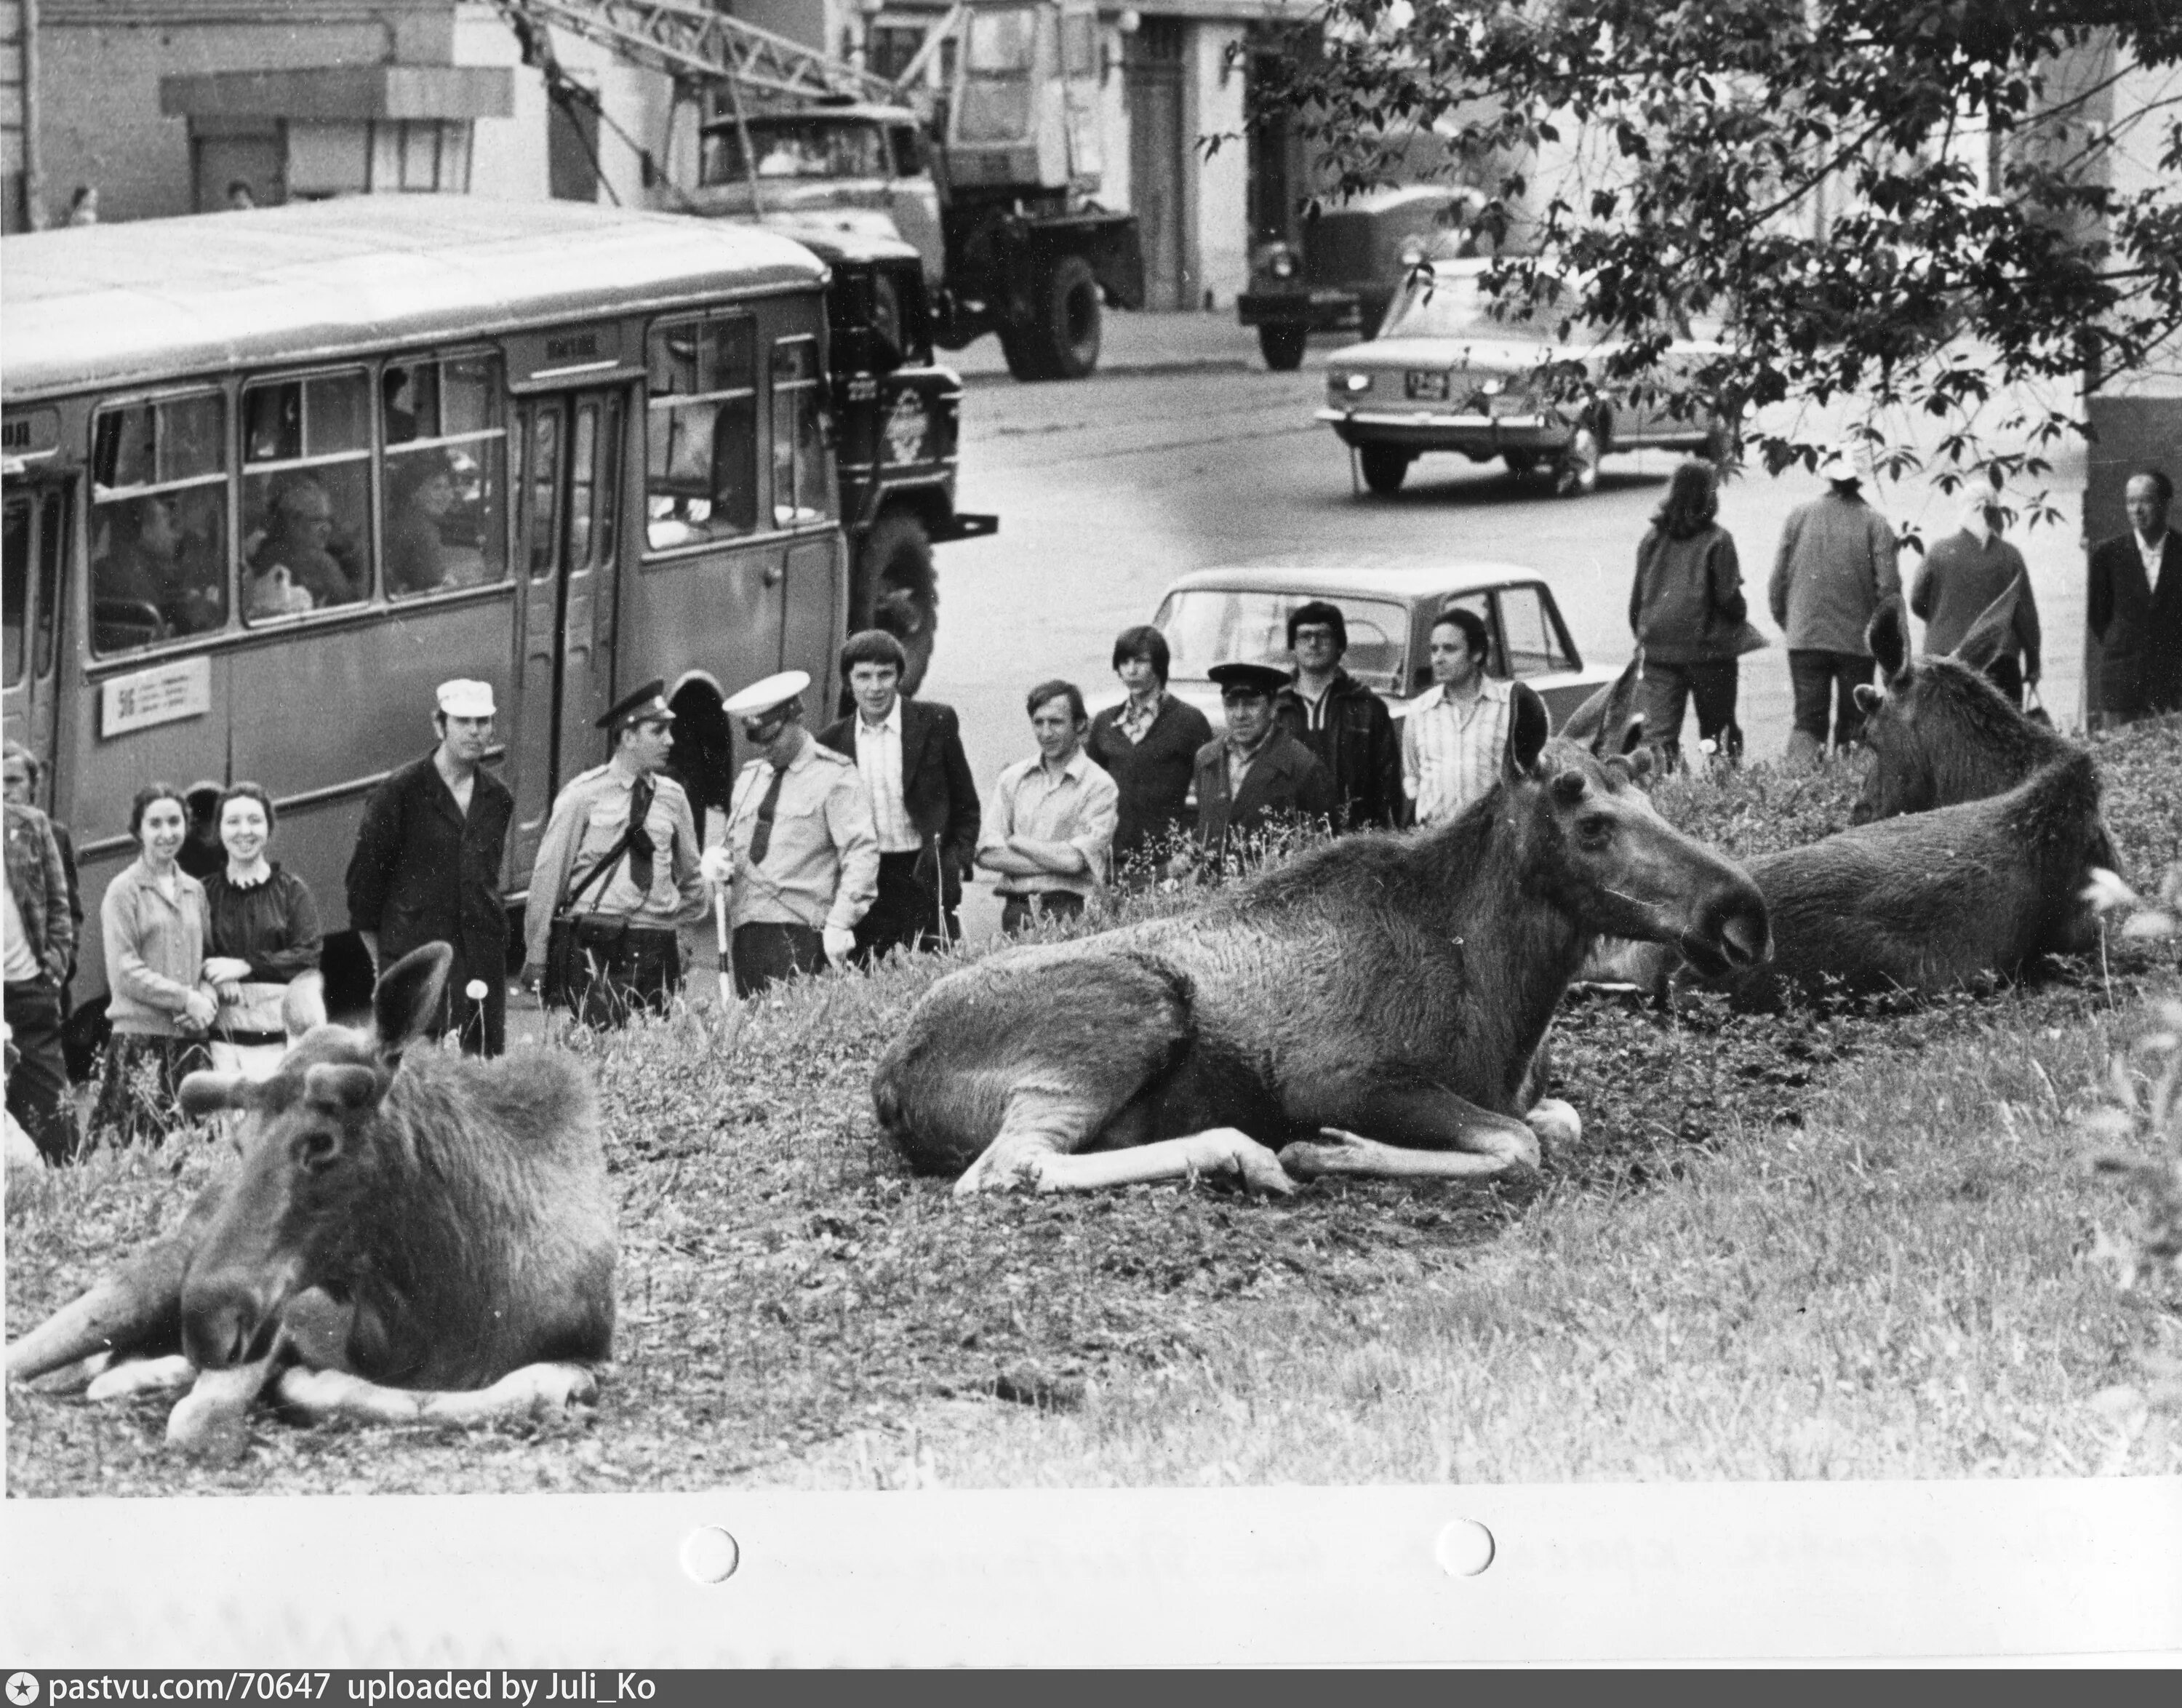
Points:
(1108, 489)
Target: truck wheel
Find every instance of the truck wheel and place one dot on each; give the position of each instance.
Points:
(1521, 463)
(1025, 358)
(895, 563)
(1066, 337)
(1384, 467)
(1283, 347)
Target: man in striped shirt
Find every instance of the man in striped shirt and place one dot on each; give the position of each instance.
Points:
(1453, 737)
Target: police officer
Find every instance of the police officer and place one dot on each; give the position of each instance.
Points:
(618, 871)
(802, 852)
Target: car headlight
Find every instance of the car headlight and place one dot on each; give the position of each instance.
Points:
(1413, 253)
(1283, 265)
(1493, 388)
(1351, 382)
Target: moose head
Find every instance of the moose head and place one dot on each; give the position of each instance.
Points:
(320, 1158)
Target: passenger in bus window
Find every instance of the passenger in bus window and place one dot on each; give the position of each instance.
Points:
(420, 492)
(299, 538)
(199, 600)
(139, 567)
(265, 943)
(154, 923)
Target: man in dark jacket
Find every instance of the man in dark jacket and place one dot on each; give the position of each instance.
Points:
(39, 939)
(924, 800)
(1345, 725)
(427, 867)
(1255, 770)
(1148, 744)
(2133, 610)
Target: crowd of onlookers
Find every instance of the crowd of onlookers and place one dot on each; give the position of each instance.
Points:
(838, 847)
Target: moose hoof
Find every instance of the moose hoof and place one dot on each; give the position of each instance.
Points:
(558, 1387)
(1309, 1159)
(1253, 1167)
(142, 1376)
(1556, 1124)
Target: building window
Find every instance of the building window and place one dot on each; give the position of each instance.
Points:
(700, 459)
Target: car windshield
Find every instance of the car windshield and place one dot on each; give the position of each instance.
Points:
(1207, 626)
(1452, 302)
(796, 147)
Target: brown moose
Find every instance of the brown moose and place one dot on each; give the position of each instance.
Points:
(409, 1235)
(1374, 1007)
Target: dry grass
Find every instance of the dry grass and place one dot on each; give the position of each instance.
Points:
(1837, 1244)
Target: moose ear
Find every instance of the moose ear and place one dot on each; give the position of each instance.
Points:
(1585, 723)
(1887, 635)
(1981, 645)
(407, 999)
(1614, 734)
(342, 1084)
(1868, 698)
(1529, 727)
(206, 1093)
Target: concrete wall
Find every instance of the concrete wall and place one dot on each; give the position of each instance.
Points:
(1222, 200)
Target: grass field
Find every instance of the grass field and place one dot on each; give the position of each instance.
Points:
(1846, 1244)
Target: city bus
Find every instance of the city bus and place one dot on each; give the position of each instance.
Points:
(271, 476)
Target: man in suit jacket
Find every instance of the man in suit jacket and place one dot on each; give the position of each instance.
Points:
(2134, 609)
(1257, 768)
(924, 797)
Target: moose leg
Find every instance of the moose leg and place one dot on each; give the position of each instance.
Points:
(141, 1376)
(1041, 1137)
(320, 1394)
(1443, 1137)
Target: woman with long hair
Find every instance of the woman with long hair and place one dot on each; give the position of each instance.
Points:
(265, 942)
(1687, 612)
(154, 921)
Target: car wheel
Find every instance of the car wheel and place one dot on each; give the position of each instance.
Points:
(1283, 347)
(1384, 467)
(1578, 463)
(1521, 463)
(895, 566)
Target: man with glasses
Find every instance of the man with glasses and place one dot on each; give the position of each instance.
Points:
(802, 853)
(1343, 723)
(616, 876)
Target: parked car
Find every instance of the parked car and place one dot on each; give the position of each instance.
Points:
(1221, 616)
(1349, 264)
(1445, 374)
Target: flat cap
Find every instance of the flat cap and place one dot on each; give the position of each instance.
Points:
(1249, 679)
(645, 704)
(463, 698)
(767, 692)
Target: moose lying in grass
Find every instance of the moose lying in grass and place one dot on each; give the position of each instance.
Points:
(1975, 836)
(1376, 1007)
(408, 1236)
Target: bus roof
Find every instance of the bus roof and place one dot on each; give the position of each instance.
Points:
(154, 300)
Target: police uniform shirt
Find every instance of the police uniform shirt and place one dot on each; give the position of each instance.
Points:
(821, 863)
(589, 818)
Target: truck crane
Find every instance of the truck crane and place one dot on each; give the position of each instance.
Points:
(993, 185)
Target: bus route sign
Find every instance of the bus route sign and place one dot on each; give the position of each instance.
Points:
(164, 694)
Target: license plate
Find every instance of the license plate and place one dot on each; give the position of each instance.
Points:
(1427, 386)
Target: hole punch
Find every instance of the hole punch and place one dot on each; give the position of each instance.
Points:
(1464, 1548)
(710, 1554)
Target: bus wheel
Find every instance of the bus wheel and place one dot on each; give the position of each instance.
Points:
(1067, 336)
(1283, 347)
(896, 565)
(1384, 467)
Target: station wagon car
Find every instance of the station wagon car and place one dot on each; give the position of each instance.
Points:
(1223, 616)
(1445, 374)
(1346, 265)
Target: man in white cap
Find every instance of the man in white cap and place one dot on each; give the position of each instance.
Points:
(616, 873)
(427, 867)
(802, 850)
(1836, 567)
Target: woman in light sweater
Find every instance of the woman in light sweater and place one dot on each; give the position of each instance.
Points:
(156, 924)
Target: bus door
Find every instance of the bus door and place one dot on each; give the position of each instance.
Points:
(37, 515)
(568, 532)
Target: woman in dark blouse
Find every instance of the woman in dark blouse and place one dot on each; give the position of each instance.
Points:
(1148, 744)
(265, 940)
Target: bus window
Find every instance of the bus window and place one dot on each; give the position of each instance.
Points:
(540, 520)
(306, 494)
(701, 474)
(158, 521)
(443, 523)
(53, 549)
(15, 583)
(802, 483)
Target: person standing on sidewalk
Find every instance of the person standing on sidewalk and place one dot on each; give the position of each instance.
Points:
(1836, 567)
(1456, 731)
(40, 949)
(1962, 574)
(924, 799)
(1687, 612)
(1346, 726)
(2134, 609)
(619, 860)
(1256, 773)
(1050, 830)
(426, 868)
(802, 852)
(1148, 744)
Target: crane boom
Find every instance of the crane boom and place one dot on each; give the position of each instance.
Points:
(697, 43)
